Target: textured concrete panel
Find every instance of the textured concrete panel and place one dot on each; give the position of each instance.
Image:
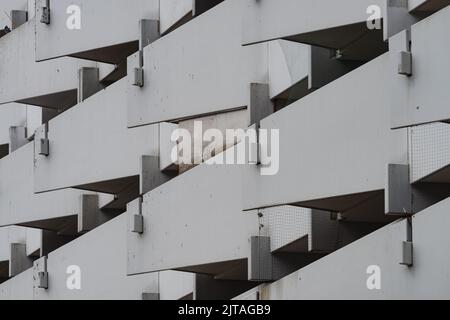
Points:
(19, 204)
(342, 192)
(94, 132)
(198, 69)
(319, 156)
(22, 78)
(104, 23)
(263, 18)
(19, 287)
(325, 278)
(7, 7)
(103, 272)
(172, 11)
(174, 235)
(424, 96)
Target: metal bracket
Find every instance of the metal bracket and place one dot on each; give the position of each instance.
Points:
(138, 77)
(45, 17)
(138, 224)
(405, 63)
(42, 144)
(136, 69)
(260, 107)
(42, 280)
(407, 253)
(137, 219)
(40, 273)
(398, 192)
(44, 147)
(260, 104)
(260, 260)
(255, 149)
(337, 54)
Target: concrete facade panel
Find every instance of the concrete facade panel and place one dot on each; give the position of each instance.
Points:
(200, 68)
(104, 23)
(23, 78)
(98, 124)
(422, 97)
(356, 155)
(263, 18)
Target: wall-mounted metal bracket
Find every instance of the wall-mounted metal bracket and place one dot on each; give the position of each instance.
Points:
(138, 77)
(254, 156)
(260, 260)
(138, 224)
(398, 192)
(405, 59)
(407, 253)
(40, 273)
(42, 144)
(260, 104)
(134, 209)
(44, 148)
(136, 69)
(405, 63)
(45, 17)
(42, 280)
(260, 107)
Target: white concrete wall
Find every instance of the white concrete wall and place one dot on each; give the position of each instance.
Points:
(103, 23)
(339, 144)
(263, 18)
(19, 203)
(24, 78)
(95, 133)
(347, 268)
(200, 68)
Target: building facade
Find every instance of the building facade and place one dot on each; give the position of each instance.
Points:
(224, 149)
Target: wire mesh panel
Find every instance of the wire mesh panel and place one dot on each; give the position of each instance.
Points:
(285, 224)
(429, 149)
